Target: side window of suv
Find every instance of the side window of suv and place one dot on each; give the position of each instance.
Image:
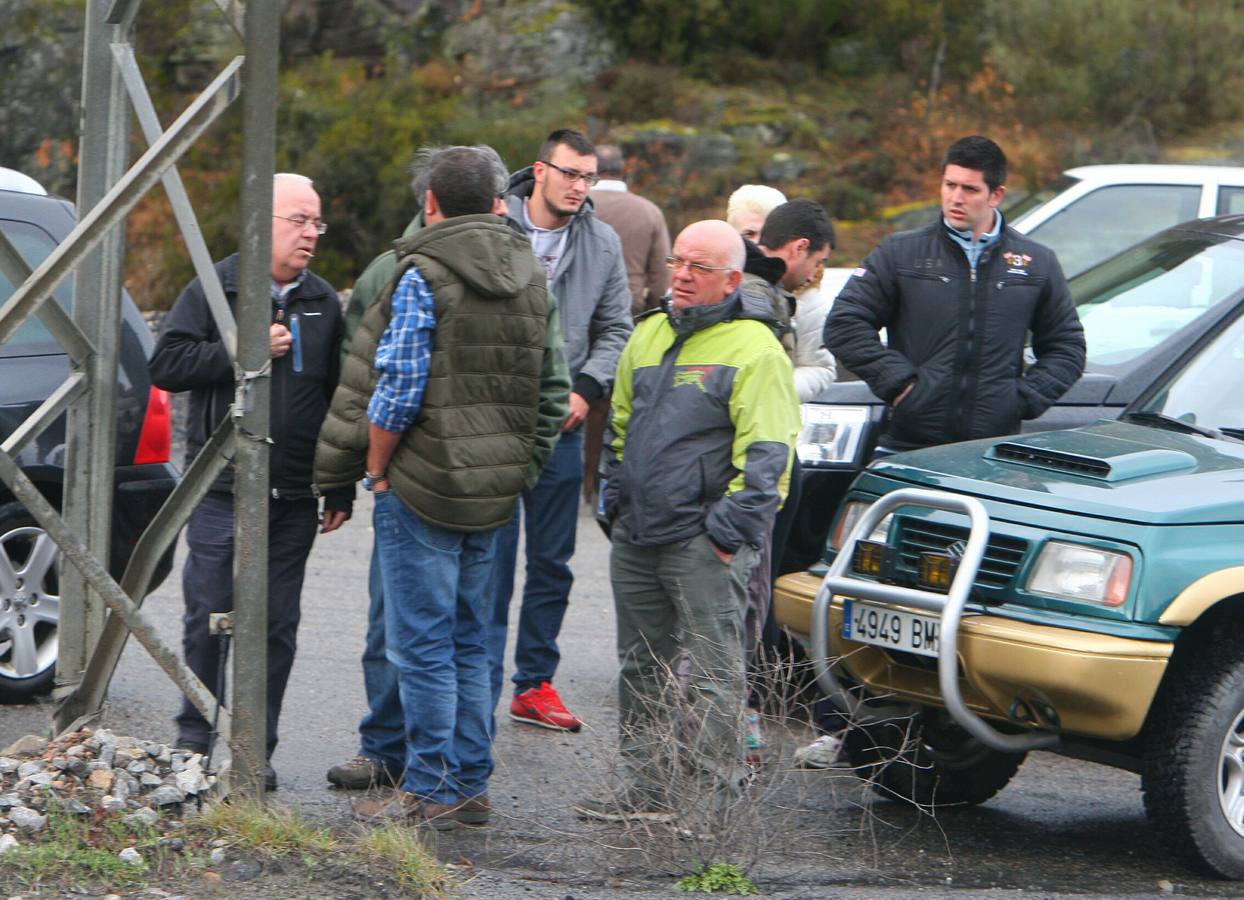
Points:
(34, 245)
(1230, 200)
(1110, 219)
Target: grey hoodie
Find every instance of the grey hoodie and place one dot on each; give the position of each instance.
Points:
(592, 293)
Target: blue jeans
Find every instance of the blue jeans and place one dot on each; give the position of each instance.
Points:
(550, 515)
(381, 734)
(435, 619)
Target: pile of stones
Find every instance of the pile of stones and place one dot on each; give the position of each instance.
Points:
(95, 774)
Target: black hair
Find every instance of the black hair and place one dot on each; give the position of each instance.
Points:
(575, 140)
(981, 154)
(797, 219)
(465, 180)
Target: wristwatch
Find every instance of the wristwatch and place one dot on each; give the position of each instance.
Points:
(370, 479)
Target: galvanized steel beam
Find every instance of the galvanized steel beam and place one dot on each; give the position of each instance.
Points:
(90, 425)
(85, 703)
(75, 552)
(183, 212)
(250, 484)
(123, 196)
(55, 319)
(49, 410)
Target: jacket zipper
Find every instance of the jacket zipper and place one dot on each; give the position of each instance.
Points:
(961, 407)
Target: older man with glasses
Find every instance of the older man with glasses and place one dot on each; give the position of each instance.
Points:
(304, 340)
(586, 271)
(697, 457)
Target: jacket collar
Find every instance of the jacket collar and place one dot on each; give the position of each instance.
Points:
(688, 321)
(311, 287)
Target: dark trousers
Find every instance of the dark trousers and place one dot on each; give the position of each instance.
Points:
(550, 514)
(207, 586)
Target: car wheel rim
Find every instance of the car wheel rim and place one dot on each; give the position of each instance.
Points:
(1231, 775)
(29, 602)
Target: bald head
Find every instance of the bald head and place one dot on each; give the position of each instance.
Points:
(711, 257)
(293, 245)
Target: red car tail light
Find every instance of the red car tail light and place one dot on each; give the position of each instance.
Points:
(155, 443)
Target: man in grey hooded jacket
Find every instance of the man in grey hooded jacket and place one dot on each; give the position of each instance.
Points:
(583, 261)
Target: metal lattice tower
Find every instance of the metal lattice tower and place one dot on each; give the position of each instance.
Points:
(98, 614)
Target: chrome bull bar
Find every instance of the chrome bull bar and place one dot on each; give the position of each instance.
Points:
(948, 606)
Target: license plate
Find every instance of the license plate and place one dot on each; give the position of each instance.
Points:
(891, 628)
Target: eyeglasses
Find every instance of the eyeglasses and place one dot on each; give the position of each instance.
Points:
(588, 178)
(303, 221)
(674, 263)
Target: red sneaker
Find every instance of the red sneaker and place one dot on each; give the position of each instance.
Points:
(542, 706)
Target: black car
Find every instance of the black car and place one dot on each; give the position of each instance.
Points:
(32, 366)
(1140, 309)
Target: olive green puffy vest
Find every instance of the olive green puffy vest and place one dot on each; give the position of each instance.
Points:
(463, 461)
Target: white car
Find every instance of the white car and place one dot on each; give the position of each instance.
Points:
(1093, 212)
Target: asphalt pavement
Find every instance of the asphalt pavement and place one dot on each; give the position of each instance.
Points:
(1062, 828)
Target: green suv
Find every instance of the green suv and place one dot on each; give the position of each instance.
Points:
(1079, 591)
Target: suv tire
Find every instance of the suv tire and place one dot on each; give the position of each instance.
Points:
(927, 765)
(29, 606)
(1193, 773)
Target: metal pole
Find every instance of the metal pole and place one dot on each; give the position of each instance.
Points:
(91, 423)
(254, 314)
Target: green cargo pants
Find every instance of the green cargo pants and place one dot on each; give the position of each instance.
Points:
(673, 600)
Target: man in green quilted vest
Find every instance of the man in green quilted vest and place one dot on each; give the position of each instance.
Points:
(450, 402)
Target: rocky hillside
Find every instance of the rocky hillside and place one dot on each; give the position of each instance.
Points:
(848, 104)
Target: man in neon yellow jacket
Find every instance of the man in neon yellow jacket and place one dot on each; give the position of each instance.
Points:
(697, 457)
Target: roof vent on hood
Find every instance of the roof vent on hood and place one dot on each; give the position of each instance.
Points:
(1051, 459)
(1117, 460)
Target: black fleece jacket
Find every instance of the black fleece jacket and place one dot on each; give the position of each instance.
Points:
(190, 356)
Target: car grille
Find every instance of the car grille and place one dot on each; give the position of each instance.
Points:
(1003, 555)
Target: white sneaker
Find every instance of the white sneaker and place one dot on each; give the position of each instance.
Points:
(823, 753)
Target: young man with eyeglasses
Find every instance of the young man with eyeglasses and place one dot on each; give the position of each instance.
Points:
(304, 341)
(697, 456)
(586, 272)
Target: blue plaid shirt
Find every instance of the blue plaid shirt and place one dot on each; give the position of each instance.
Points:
(403, 355)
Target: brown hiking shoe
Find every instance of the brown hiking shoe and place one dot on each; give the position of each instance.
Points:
(362, 773)
(473, 811)
(400, 806)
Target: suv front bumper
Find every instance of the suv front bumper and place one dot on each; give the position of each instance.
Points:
(1076, 682)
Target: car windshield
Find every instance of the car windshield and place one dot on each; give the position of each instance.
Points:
(1016, 210)
(1205, 392)
(1132, 302)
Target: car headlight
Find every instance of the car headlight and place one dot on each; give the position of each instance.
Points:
(850, 514)
(1077, 572)
(830, 433)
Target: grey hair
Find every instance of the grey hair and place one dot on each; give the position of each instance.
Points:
(426, 157)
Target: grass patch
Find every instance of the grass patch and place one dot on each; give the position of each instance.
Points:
(272, 830)
(83, 853)
(398, 848)
(87, 848)
(719, 878)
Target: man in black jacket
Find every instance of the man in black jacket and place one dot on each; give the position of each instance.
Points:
(957, 299)
(305, 340)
